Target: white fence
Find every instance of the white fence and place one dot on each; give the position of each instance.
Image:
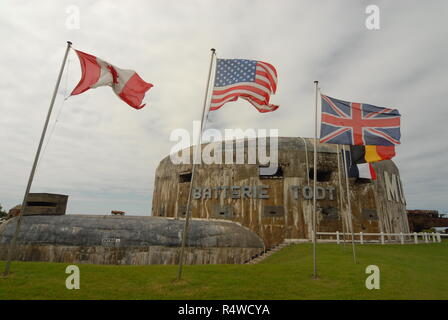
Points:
(381, 237)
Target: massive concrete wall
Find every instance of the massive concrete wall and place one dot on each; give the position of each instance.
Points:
(425, 219)
(128, 240)
(46, 204)
(281, 207)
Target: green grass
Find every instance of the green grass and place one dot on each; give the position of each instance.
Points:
(407, 272)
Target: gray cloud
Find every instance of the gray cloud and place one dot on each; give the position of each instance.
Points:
(104, 154)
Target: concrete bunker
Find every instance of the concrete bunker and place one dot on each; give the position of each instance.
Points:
(128, 240)
(278, 205)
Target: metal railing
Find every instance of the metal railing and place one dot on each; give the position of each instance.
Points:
(382, 237)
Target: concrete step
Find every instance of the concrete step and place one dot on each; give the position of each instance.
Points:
(268, 253)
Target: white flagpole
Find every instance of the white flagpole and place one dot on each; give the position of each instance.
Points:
(12, 245)
(349, 203)
(198, 151)
(314, 183)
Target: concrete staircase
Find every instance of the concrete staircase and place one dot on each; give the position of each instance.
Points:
(268, 253)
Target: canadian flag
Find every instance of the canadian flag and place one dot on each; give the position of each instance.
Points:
(127, 84)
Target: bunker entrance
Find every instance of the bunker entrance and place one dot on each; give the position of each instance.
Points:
(321, 176)
(41, 204)
(185, 177)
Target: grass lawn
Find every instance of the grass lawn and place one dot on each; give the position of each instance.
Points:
(407, 272)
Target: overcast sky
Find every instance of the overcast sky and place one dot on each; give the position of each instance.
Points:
(104, 154)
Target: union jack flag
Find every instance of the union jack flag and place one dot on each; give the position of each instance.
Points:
(251, 80)
(358, 123)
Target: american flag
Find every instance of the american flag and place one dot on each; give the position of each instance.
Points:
(358, 123)
(251, 80)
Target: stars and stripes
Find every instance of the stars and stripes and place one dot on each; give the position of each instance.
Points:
(358, 123)
(251, 80)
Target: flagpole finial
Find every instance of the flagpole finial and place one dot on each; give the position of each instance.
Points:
(213, 50)
(69, 43)
(315, 81)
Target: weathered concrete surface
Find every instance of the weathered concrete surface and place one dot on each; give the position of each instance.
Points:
(128, 240)
(425, 219)
(390, 202)
(42, 203)
(374, 209)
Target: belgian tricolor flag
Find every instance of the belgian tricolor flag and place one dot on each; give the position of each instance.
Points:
(369, 153)
(359, 160)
